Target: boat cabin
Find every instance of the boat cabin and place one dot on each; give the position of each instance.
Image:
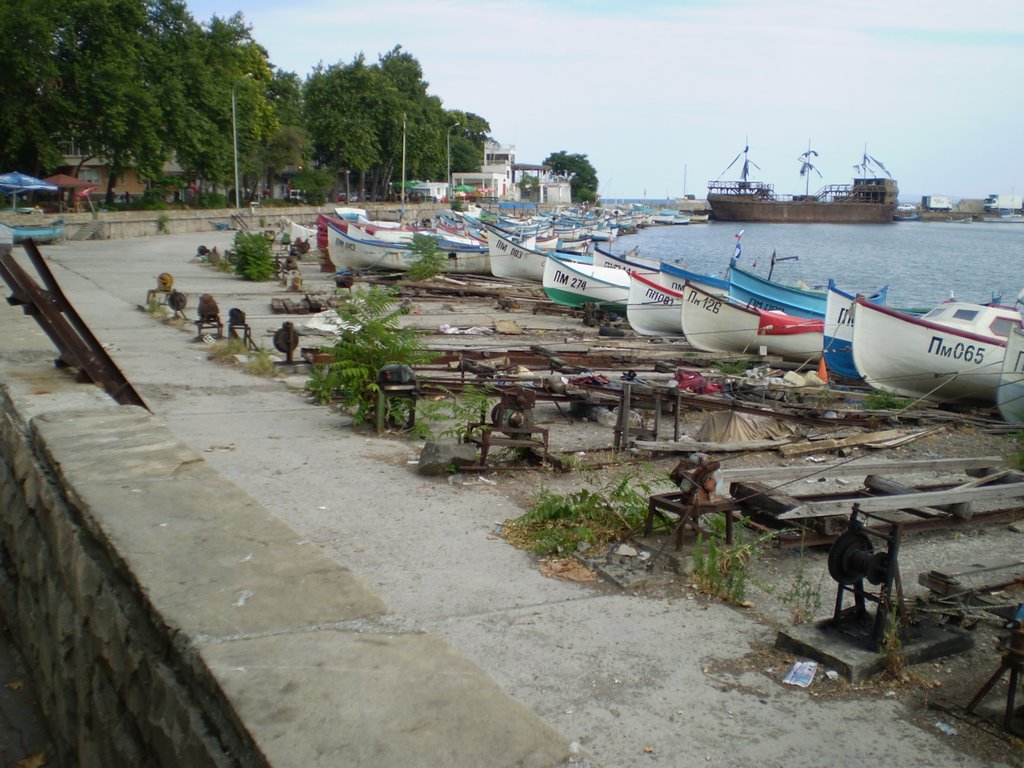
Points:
(975, 318)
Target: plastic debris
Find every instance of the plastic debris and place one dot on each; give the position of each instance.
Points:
(801, 673)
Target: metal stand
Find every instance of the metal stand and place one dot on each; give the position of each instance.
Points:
(851, 561)
(1013, 661)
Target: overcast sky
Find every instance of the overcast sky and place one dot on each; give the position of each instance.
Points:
(659, 94)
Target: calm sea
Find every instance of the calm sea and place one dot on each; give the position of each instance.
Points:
(922, 262)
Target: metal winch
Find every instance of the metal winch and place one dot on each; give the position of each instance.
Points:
(515, 409)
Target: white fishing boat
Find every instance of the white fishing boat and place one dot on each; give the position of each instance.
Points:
(1010, 395)
(512, 260)
(952, 354)
(718, 324)
(711, 323)
(574, 284)
(355, 253)
(653, 310)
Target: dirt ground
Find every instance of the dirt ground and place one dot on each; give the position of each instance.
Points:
(788, 585)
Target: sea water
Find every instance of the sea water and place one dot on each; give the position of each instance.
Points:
(924, 263)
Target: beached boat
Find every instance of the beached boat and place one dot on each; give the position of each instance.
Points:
(41, 233)
(356, 253)
(837, 346)
(762, 293)
(629, 261)
(720, 324)
(952, 354)
(676, 278)
(513, 260)
(866, 200)
(652, 309)
(574, 284)
(1010, 395)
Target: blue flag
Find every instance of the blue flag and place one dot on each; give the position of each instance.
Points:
(739, 246)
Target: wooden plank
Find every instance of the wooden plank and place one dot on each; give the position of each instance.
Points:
(854, 468)
(688, 446)
(812, 446)
(925, 498)
(978, 578)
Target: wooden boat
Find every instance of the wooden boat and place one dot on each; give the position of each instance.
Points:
(630, 261)
(720, 324)
(1010, 395)
(952, 354)
(512, 260)
(653, 310)
(837, 347)
(676, 278)
(763, 293)
(574, 284)
(712, 323)
(356, 253)
(869, 199)
(41, 234)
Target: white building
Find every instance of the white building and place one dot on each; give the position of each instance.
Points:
(499, 175)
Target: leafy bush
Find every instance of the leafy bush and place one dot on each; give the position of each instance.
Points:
(213, 200)
(720, 569)
(255, 259)
(557, 523)
(430, 260)
(373, 338)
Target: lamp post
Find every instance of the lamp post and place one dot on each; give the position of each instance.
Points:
(234, 139)
(449, 195)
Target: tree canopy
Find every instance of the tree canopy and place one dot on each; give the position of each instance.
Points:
(140, 83)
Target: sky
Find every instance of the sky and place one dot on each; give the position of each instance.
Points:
(662, 95)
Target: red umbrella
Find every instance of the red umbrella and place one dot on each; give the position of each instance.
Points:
(63, 180)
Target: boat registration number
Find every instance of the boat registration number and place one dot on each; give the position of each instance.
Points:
(969, 353)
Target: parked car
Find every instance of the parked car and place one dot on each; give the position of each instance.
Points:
(343, 198)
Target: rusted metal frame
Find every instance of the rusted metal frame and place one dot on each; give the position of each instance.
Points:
(76, 343)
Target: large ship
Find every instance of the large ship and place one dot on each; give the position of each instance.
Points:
(869, 199)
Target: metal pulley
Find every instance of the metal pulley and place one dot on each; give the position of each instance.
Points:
(852, 558)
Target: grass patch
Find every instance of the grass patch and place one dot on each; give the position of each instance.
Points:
(886, 401)
(721, 569)
(734, 367)
(558, 524)
(224, 351)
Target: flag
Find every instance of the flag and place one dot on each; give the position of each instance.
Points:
(739, 248)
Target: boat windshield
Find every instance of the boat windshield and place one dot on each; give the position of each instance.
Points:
(1001, 327)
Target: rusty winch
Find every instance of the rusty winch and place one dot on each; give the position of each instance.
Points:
(515, 409)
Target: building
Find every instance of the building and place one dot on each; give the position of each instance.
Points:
(500, 175)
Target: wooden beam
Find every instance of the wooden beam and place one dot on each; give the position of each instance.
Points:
(864, 468)
(924, 499)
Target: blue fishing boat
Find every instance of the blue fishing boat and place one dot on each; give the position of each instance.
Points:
(41, 234)
(761, 293)
(675, 277)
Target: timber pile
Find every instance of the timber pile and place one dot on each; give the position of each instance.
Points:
(930, 507)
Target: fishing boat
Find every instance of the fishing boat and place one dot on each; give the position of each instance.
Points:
(574, 284)
(629, 261)
(1010, 395)
(906, 212)
(837, 344)
(514, 260)
(720, 324)
(357, 253)
(653, 310)
(675, 277)
(41, 234)
(762, 293)
(952, 354)
(869, 199)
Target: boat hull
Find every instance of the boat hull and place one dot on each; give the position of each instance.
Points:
(760, 293)
(652, 309)
(1010, 395)
(905, 355)
(357, 254)
(512, 261)
(574, 284)
(866, 201)
(712, 324)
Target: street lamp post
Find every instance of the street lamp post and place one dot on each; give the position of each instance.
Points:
(234, 139)
(450, 160)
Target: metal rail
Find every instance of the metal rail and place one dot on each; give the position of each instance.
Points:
(78, 347)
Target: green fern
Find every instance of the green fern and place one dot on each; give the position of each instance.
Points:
(373, 338)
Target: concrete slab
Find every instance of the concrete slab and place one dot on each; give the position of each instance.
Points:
(854, 660)
(337, 698)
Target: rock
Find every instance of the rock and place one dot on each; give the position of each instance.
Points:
(625, 550)
(439, 457)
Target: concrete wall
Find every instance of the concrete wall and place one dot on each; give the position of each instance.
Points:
(170, 620)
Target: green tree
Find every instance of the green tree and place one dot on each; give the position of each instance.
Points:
(583, 176)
